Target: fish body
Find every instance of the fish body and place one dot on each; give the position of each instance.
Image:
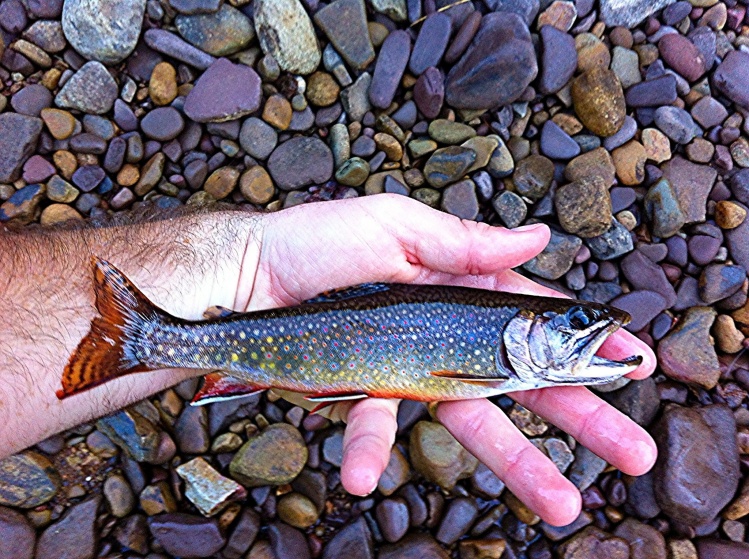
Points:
(382, 340)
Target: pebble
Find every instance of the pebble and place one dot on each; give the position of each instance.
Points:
(18, 139)
(137, 436)
(345, 24)
(186, 535)
(728, 337)
(457, 520)
(692, 184)
(584, 207)
(656, 144)
(277, 112)
(731, 77)
(74, 536)
(171, 45)
(720, 281)
(697, 472)
(353, 172)
(558, 59)
(663, 210)
(431, 43)
(447, 165)
(285, 31)
(429, 92)
(61, 124)
(709, 112)
(682, 55)
(27, 480)
(208, 490)
(717, 549)
(591, 543)
(46, 34)
(510, 208)
(91, 90)
(322, 89)
(162, 87)
(119, 496)
(221, 33)
(414, 546)
(162, 124)
(729, 215)
(645, 542)
(297, 510)
(256, 185)
(595, 162)
(599, 101)
(614, 243)
(686, 353)
(355, 98)
(532, 177)
(257, 138)
(101, 31)
(557, 258)
(274, 456)
(676, 123)
(626, 65)
(195, 6)
(23, 206)
(396, 474)
(60, 190)
(393, 518)
(527, 9)
(37, 169)
(556, 143)
(300, 161)
(17, 537)
(224, 92)
(31, 100)
(389, 68)
(437, 456)
(497, 67)
(628, 13)
(448, 132)
(652, 93)
(460, 200)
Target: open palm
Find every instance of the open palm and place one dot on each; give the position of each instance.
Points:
(308, 249)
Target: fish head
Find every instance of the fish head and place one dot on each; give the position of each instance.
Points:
(559, 346)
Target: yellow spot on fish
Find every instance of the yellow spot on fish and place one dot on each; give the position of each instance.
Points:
(269, 339)
(253, 355)
(234, 357)
(242, 335)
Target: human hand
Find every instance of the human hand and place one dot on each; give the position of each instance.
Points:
(312, 248)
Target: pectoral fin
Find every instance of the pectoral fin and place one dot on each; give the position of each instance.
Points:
(325, 399)
(219, 387)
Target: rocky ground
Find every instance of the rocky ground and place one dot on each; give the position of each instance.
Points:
(622, 123)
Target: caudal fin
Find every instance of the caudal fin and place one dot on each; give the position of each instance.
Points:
(107, 351)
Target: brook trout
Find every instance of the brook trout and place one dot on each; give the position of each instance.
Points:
(419, 342)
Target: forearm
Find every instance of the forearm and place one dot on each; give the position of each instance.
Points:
(183, 264)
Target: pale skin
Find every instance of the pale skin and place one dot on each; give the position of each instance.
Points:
(245, 262)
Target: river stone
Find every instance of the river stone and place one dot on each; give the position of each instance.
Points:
(27, 480)
(437, 456)
(628, 13)
(594, 162)
(225, 91)
(274, 456)
(186, 535)
(526, 9)
(353, 540)
(300, 161)
(431, 43)
(345, 24)
(719, 281)
(510, 208)
(676, 123)
(195, 6)
(732, 77)
(533, 176)
(599, 101)
(208, 490)
(18, 138)
(645, 542)
(497, 67)
(738, 243)
(102, 30)
(558, 59)
(682, 55)
(74, 536)
(91, 90)
(460, 200)
(692, 184)
(220, 34)
(389, 68)
(557, 258)
(663, 209)
(257, 138)
(687, 354)
(134, 433)
(285, 32)
(584, 207)
(447, 165)
(176, 47)
(592, 543)
(17, 537)
(556, 143)
(697, 471)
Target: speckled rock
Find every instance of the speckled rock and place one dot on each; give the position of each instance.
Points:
(663, 209)
(17, 537)
(285, 31)
(599, 101)
(27, 480)
(221, 33)
(628, 13)
(274, 456)
(692, 184)
(91, 89)
(103, 31)
(300, 161)
(18, 138)
(447, 165)
(686, 354)
(593, 542)
(345, 24)
(437, 456)
(74, 536)
(533, 176)
(557, 258)
(584, 207)
(208, 490)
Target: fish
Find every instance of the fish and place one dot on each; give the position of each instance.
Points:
(382, 340)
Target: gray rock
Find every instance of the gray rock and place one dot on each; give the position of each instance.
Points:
(676, 123)
(629, 13)
(615, 242)
(510, 208)
(102, 30)
(74, 536)
(391, 63)
(91, 89)
(220, 34)
(557, 258)
(300, 161)
(345, 24)
(527, 9)
(171, 45)
(18, 138)
(732, 77)
(355, 98)
(258, 138)
(285, 31)
(663, 209)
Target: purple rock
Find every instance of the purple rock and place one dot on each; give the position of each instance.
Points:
(124, 116)
(300, 161)
(225, 91)
(498, 66)
(643, 274)
(463, 37)
(186, 535)
(732, 77)
(389, 68)
(195, 6)
(625, 134)
(37, 169)
(429, 92)
(88, 143)
(622, 197)
(709, 112)
(556, 143)
(719, 281)
(115, 156)
(162, 124)
(674, 13)
(740, 186)
(431, 43)
(172, 45)
(88, 177)
(31, 100)
(652, 93)
(526, 9)
(44, 9)
(692, 184)
(558, 59)
(13, 16)
(703, 248)
(643, 306)
(738, 243)
(18, 138)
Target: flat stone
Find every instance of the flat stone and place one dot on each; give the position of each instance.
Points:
(17, 537)
(657, 145)
(220, 34)
(353, 540)
(31, 100)
(686, 353)
(23, 205)
(595, 162)
(437, 456)
(682, 55)
(643, 273)
(136, 435)
(171, 45)
(692, 184)
(27, 480)
(642, 305)
(195, 6)
(391, 63)
(510, 208)
(429, 92)
(274, 456)
(614, 243)
(526, 9)
(719, 281)
(162, 124)
(431, 42)
(584, 207)
(626, 65)
(257, 138)
(497, 67)
(599, 101)
(663, 209)
(460, 200)
(102, 31)
(558, 59)
(18, 138)
(285, 31)
(732, 77)
(697, 471)
(74, 536)
(533, 176)
(449, 132)
(300, 161)
(345, 24)
(448, 165)
(186, 535)
(208, 490)
(556, 143)
(557, 258)
(224, 92)
(628, 13)
(676, 123)
(652, 93)
(91, 90)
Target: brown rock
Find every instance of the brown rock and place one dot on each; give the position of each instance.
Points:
(686, 353)
(729, 215)
(162, 87)
(728, 338)
(61, 124)
(584, 207)
(593, 543)
(221, 182)
(256, 185)
(322, 89)
(74, 536)
(629, 161)
(657, 145)
(596, 162)
(599, 101)
(57, 213)
(278, 112)
(437, 456)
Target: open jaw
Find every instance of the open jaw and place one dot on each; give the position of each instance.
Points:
(595, 369)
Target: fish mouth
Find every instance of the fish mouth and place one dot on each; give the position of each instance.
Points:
(599, 370)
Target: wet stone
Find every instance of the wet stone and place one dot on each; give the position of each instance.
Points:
(584, 207)
(497, 67)
(186, 535)
(353, 540)
(460, 200)
(556, 143)
(686, 354)
(652, 93)
(429, 92)
(643, 273)
(447, 165)
(437, 456)
(557, 258)
(119, 496)
(676, 123)
(719, 281)
(102, 31)
(510, 208)
(300, 161)
(345, 24)
(273, 457)
(645, 542)
(431, 43)
(220, 34)
(533, 176)
(225, 91)
(392, 518)
(391, 63)
(135, 434)
(285, 31)
(91, 90)
(663, 209)
(27, 479)
(697, 471)
(74, 536)
(599, 101)
(448, 132)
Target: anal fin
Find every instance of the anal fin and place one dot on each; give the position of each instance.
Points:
(467, 377)
(325, 399)
(219, 387)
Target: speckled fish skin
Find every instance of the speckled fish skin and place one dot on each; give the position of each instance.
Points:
(383, 340)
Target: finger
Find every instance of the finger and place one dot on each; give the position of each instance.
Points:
(490, 436)
(595, 424)
(445, 243)
(369, 437)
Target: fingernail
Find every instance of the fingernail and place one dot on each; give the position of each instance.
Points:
(529, 228)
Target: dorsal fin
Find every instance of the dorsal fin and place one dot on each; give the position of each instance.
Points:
(343, 293)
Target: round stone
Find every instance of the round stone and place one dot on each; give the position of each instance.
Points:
(437, 456)
(533, 176)
(729, 215)
(353, 172)
(257, 138)
(447, 165)
(300, 161)
(682, 55)
(61, 124)
(297, 510)
(322, 89)
(101, 30)
(224, 92)
(221, 182)
(256, 185)
(162, 87)
(162, 124)
(584, 207)
(629, 161)
(278, 112)
(676, 123)
(599, 101)
(275, 456)
(449, 132)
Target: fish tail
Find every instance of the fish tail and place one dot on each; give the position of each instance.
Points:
(109, 349)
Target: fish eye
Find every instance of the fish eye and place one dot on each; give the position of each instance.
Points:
(580, 317)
